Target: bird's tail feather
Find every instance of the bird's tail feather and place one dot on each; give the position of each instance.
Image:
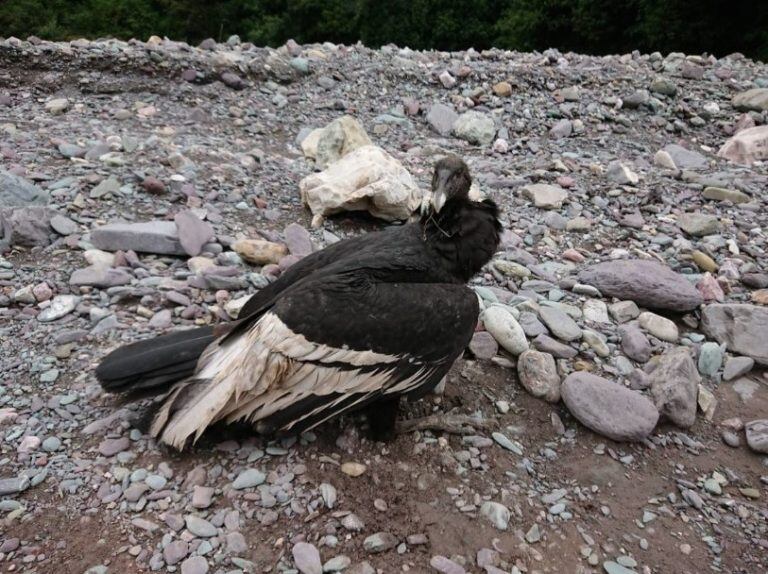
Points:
(154, 365)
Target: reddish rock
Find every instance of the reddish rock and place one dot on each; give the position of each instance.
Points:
(153, 185)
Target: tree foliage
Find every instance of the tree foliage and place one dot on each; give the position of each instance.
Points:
(592, 26)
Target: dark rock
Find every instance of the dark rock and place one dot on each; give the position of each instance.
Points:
(153, 185)
(755, 280)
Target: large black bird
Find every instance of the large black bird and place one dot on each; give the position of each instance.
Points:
(364, 321)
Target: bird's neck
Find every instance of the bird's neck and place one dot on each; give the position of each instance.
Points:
(464, 235)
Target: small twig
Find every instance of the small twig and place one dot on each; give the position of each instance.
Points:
(454, 424)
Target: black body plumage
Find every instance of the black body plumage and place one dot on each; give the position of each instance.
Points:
(365, 320)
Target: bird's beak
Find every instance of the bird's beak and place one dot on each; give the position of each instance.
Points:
(426, 201)
(438, 199)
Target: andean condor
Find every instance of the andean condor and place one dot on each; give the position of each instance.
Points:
(364, 321)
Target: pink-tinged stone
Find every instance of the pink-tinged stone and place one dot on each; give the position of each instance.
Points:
(565, 181)
(42, 291)
(29, 444)
(111, 446)
(193, 232)
(7, 416)
(710, 289)
(298, 240)
(307, 558)
(573, 255)
(747, 146)
(647, 283)
(153, 185)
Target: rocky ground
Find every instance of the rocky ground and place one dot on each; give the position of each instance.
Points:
(629, 297)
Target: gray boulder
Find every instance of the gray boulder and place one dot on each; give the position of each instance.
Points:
(25, 226)
(475, 127)
(743, 328)
(685, 158)
(161, 237)
(608, 408)
(441, 118)
(16, 191)
(674, 382)
(647, 283)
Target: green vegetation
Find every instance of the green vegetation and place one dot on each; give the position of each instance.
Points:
(593, 26)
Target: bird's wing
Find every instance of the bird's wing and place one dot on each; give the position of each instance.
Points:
(313, 262)
(321, 351)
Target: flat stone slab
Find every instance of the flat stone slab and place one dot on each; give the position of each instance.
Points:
(160, 237)
(743, 328)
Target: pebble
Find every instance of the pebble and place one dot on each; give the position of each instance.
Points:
(60, 306)
(353, 469)
(199, 526)
(757, 435)
(337, 564)
(560, 324)
(175, 551)
(660, 327)
(307, 558)
(51, 444)
(113, 446)
(616, 568)
(379, 542)
(248, 479)
(194, 565)
(445, 565)
(538, 374)
(533, 535)
(497, 514)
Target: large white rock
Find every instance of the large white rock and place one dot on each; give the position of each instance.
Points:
(329, 144)
(545, 196)
(367, 179)
(475, 127)
(747, 146)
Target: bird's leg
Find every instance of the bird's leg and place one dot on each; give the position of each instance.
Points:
(381, 419)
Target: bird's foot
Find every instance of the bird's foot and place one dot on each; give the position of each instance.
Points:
(382, 417)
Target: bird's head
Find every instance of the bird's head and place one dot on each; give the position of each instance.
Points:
(451, 180)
